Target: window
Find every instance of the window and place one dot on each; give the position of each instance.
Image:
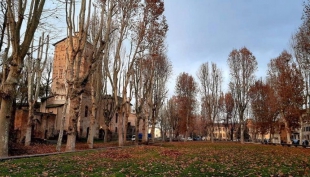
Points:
(86, 111)
(115, 129)
(116, 117)
(60, 73)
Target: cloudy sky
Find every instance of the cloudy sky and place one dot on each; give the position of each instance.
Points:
(208, 30)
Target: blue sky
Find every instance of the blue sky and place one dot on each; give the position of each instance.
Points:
(208, 30)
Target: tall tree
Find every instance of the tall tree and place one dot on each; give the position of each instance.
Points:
(162, 70)
(81, 59)
(301, 47)
(286, 78)
(16, 11)
(229, 109)
(242, 66)
(35, 69)
(127, 13)
(173, 117)
(142, 85)
(264, 107)
(186, 89)
(210, 80)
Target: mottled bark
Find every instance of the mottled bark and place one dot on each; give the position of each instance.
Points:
(19, 50)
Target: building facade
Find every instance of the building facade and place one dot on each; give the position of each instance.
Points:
(48, 116)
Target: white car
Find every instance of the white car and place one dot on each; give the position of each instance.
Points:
(189, 139)
(133, 138)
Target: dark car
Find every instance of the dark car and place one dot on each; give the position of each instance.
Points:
(305, 143)
(197, 138)
(295, 142)
(266, 141)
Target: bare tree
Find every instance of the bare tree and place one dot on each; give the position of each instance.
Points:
(142, 85)
(300, 44)
(242, 66)
(20, 46)
(47, 79)
(210, 80)
(35, 69)
(79, 51)
(162, 70)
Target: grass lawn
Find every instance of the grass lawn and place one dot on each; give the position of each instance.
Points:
(170, 159)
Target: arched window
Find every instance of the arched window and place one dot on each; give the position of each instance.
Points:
(86, 111)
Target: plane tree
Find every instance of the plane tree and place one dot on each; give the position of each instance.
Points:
(243, 65)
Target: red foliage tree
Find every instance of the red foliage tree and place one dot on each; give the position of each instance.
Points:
(286, 80)
(186, 89)
(264, 107)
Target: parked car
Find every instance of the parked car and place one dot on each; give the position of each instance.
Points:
(266, 141)
(295, 141)
(197, 138)
(133, 138)
(189, 138)
(305, 143)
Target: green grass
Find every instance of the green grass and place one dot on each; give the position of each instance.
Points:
(170, 159)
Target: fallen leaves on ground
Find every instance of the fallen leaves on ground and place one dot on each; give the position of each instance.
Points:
(171, 159)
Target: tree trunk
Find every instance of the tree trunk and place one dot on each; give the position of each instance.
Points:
(186, 131)
(74, 109)
(120, 129)
(29, 126)
(126, 125)
(105, 134)
(137, 129)
(144, 131)
(300, 131)
(170, 135)
(8, 92)
(28, 132)
(91, 133)
(5, 116)
(153, 129)
(241, 132)
(241, 127)
(212, 134)
(288, 132)
(92, 128)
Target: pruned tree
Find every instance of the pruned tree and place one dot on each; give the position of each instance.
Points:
(142, 85)
(287, 81)
(243, 65)
(81, 58)
(210, 80)
(186, 89)
(114, 63)
(3, 21)
(47, 78)
(16, 11)
(35, 68)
